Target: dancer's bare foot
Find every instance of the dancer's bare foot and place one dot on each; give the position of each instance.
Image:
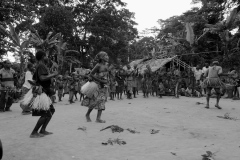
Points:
(207, 106)
(217, 106)
(36, 135)
(45, 132)
(100, 121)
(88, 119)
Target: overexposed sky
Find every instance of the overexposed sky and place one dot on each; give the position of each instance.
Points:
(147, 12)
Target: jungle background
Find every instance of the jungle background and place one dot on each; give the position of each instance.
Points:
(72, 32)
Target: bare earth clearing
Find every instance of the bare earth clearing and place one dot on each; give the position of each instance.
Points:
(187, 131)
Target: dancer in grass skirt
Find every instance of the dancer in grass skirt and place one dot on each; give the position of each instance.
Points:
(43, 107)
(97, 99)
(213, 81)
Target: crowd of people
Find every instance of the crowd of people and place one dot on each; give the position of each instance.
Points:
(105, 83)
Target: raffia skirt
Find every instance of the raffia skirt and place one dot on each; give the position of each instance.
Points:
(39, 102)
(213, 83)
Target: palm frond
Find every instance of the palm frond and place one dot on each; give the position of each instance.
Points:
(231, 18)
(49, 34)
(25, 44)
(55, 37)
(14, 37)
(190, 33)
(4, 31)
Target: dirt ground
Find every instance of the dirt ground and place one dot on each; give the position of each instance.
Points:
(187, 130)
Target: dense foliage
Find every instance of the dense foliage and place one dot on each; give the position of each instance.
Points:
(215, 26)
(72, 32)
(86, 27)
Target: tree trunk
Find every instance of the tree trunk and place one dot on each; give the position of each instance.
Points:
(70, 67)
(21, 63)
(62, 63)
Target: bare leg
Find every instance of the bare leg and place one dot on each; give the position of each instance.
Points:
(88, 115)
(238, 88)
(75, 96)
(98, 120)
(218, 92)
(40, 123)
(208, 99)
(44, 126)
(218, 99)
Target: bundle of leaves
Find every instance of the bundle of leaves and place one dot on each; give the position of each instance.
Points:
(114, 128)
(153, 131)
(114, 141)
(132, 131)
(227, 116)
(208, 156)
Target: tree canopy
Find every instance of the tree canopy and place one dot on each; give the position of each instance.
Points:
(199, 35)
(80, 29)
(86, 26)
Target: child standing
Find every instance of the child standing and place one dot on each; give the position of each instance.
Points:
(154, 86)
(71, 89)
(65, 86)
(75, 86)
(112, 88)
(161, 88)
(120, 83)
(60, 87)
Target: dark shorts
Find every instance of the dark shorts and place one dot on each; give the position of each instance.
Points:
(44, 113)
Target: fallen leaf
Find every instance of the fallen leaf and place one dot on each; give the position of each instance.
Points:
(82, 128)
(174, 154)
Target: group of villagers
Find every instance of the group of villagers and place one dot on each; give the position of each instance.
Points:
(103, 81)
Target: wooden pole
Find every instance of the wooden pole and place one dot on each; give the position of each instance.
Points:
(70, 67)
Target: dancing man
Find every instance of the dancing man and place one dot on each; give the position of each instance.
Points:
(43, 78)
(99, 74)
(213, 81)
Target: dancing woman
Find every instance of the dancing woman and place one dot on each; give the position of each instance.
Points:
(213, 81)
(43, 79)
(99, 74)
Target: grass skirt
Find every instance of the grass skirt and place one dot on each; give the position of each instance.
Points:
(89, 89)
(213, 83)
(36, 101)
